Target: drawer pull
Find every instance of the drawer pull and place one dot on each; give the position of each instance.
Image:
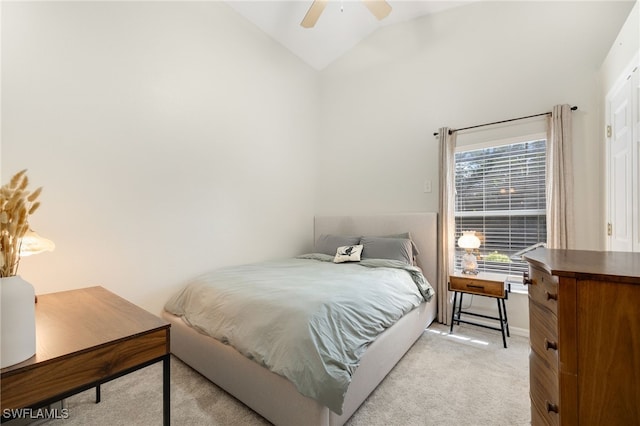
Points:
(550, 345)
(551, 296)
(479, 287)
(526, 280)
(552, 408)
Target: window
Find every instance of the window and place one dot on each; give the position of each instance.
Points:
(500, 194)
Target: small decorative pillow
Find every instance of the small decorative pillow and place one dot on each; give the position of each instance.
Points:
(348, 254)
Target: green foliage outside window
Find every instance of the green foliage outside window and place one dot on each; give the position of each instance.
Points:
(497, 257)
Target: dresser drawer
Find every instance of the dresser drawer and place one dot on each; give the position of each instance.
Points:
(477, 286)
(544, 390)
(538, 417)
(543, 289)
(543, 333)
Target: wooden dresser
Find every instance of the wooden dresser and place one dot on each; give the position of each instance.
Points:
(584, 317)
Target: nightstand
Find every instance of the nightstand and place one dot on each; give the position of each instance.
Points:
(484, 284)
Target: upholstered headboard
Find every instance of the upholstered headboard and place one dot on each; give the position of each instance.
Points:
(422, 226)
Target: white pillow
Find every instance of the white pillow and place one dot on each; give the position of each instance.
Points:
(348, 254)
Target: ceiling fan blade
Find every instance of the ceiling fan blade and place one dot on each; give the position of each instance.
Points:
(313, 13)
(380, 8)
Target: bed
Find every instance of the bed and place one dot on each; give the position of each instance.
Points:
(275, 397)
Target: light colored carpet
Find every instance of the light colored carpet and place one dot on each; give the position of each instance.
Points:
(467, 378)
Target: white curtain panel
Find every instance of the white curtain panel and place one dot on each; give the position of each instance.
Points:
(447, 221)
(560, 233)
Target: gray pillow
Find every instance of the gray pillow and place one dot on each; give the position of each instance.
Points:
(406, 235)
(387, 248)
(328, 243)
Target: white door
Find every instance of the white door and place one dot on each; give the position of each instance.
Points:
(635, 122)
(620, 109)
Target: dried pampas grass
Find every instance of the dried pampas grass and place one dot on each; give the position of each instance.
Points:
(16, 205)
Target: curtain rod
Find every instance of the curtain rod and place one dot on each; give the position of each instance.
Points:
(573, 108)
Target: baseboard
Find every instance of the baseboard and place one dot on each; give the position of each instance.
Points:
(517, 331)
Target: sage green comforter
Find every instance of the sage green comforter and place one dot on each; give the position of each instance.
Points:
(307, 318)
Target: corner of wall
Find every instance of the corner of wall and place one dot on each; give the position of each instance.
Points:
(623, 50)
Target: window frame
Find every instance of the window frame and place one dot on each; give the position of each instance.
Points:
(514, 281)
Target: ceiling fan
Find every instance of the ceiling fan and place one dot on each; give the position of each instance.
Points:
(379, 8)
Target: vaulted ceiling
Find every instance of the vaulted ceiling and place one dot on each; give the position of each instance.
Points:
(342, 25)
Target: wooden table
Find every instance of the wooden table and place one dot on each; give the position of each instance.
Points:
(483, 284)
(85, 338)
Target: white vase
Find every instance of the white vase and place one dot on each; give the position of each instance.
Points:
(18, 321)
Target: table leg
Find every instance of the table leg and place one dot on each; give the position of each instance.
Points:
(453, 310)
(166, 389)
(504, 339)
(97, 394)
(506, 320)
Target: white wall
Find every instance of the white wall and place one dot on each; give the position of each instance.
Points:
(479, 63)
(483, 62)
(623, 50)
(170, 137)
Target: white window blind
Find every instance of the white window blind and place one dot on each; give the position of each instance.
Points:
(500, 194)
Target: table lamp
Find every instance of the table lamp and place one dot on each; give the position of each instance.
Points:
(32, 243)
(468, 241)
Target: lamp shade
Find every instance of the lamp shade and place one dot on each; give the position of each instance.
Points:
(32, 243)
(468, 240)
